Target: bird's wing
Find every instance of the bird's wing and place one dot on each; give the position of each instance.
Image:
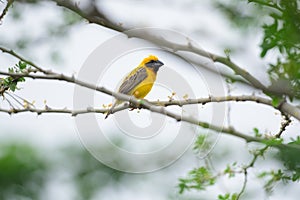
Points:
(133, 80)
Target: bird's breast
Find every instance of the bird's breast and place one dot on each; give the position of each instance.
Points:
(141, 90)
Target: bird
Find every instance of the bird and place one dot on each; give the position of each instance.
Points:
(139, 81)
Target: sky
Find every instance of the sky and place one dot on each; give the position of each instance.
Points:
(199, 21)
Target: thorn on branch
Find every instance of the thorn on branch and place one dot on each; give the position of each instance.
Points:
(178, 119)
(286, 121)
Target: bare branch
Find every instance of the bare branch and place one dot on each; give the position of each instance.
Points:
(146, 105)
(141, 104)
(180, 103)
(256, 154)
(286, 121)
(285, 107)
(268, 4)
(95, 16)
(244, 184)
(12, 53)
(92, 14)
(8, 4)
(242, 98)
(189, 47)
(48, 109)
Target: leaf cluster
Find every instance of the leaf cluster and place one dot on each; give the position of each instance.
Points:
(11, 82)
(282, 35)
(198, 179)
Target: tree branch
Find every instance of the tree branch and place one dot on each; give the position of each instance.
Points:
(285, 107)
(104, 21)
(271, 5)
(48, 109)
(290, 109)
(286, 121)
(93, 15)
(146, 105)
(256, 154)
(8, 4)
(12, 53)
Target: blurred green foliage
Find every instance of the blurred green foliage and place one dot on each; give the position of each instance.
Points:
(88, 174)
(239, 13)
(291, 159)
(280, 22)
(283, 35)
(204, 176)
(23, 172)
(53, 30)
(198, 179)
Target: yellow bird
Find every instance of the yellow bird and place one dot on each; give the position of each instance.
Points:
(140, 80)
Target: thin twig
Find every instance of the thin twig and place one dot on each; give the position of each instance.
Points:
(8, 4)
(244, 185)
(256, 154)
(48, 109)
(93, 15)
(286, 121)
(271, 5)
(14, 54)
(14, 98)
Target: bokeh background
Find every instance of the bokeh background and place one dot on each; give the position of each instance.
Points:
(42, 157)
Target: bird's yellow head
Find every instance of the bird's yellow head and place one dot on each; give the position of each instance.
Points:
(152, 62)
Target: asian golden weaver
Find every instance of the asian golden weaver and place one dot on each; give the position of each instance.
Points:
(140, 80)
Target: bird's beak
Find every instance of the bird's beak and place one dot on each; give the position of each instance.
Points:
(155, 65)
(158, 63)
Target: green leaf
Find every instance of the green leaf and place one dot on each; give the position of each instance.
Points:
(296, 177)
(256, 132)
(22, 79)
(230, 170)
(22, 65)
(289, 156)
(276, 101)
(234, 196)
(201, 143)
(227, 196)
(13, 86)
(227, 53)
(224, 197)
(11, 70)
(182, 186)
(273, 141)
(230, 80)
(198, 179)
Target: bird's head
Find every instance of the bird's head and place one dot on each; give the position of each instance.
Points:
(152, 62)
